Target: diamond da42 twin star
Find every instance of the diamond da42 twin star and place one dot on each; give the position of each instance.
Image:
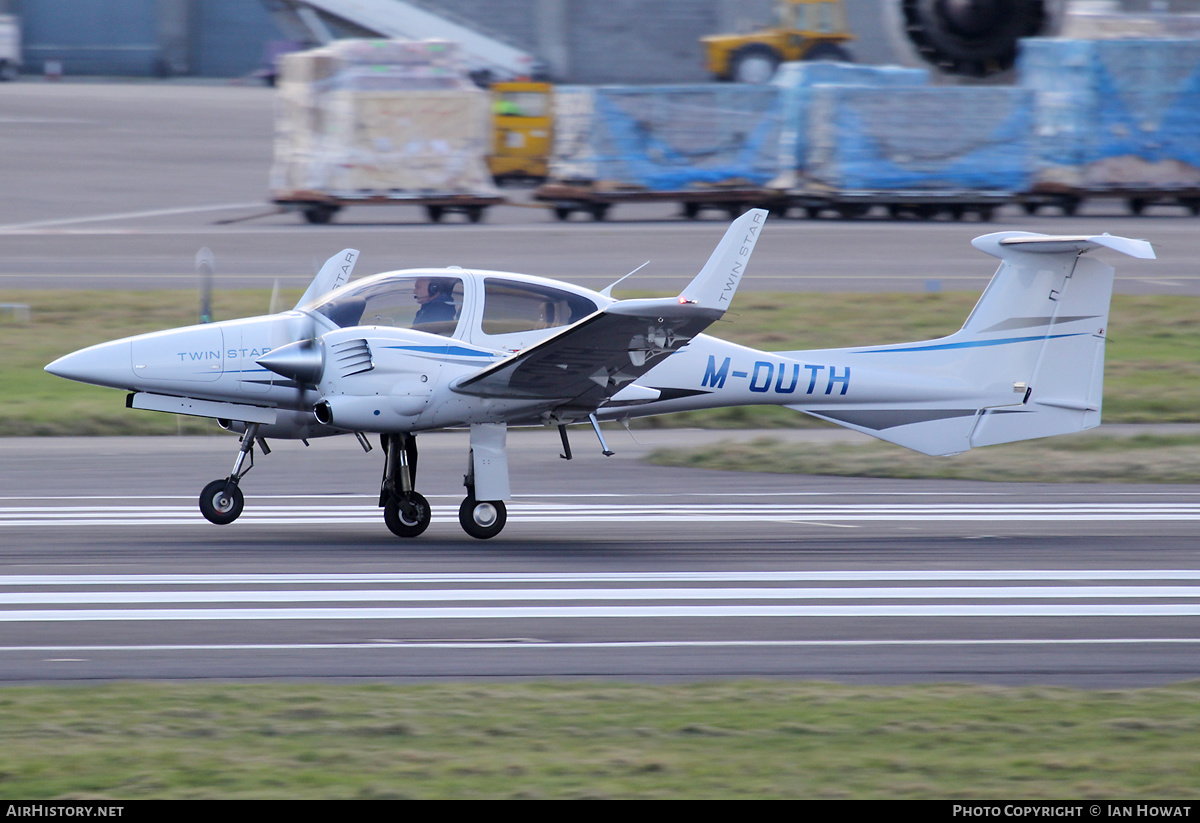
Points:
(409, 351)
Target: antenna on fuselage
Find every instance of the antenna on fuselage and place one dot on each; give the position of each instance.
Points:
(607, 292)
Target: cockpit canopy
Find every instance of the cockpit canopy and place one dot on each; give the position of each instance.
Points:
(471, 306)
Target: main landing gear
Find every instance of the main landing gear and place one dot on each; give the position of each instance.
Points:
(407, 513)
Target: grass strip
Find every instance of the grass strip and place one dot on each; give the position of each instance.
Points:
(1083, 458)
(553, 740)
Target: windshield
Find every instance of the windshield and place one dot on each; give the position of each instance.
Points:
(429, 304)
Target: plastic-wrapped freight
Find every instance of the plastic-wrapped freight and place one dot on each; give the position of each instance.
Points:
(916, 139)
(1115, 114)
(796, 81)
(365, 117)
(666, 138)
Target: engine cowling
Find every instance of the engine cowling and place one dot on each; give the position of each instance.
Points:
(374, 413)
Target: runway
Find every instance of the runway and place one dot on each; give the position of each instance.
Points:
(609, 568)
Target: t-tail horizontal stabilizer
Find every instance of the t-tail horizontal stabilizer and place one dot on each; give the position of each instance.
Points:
(1028, 362)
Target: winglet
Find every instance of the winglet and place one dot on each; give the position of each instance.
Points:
(333, 275)
(714, 286)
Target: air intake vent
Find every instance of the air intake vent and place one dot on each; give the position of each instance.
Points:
(352, 357)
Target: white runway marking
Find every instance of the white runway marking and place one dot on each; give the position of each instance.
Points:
(323, 513)
(523, 643)
(130, 215)
(490, 597)
(92, 597)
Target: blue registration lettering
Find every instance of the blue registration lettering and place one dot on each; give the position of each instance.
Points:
(779, 387)
(758, 367)
(834, 377)
(713, 376)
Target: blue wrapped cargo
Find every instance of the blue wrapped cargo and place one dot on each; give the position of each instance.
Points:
(666, 138)
(796, 81)
(1119, 115)
(919, 139)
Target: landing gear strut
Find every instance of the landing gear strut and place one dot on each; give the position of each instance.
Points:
(221, 501)
(406, 512)
(487, 470)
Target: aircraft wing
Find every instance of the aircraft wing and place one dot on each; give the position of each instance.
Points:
(591, 360)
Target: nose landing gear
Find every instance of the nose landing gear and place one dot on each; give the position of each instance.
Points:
(221, 501)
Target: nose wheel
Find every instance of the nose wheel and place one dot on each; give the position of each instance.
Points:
(221, 502)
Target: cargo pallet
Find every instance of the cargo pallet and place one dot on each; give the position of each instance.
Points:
(1068, 198)
(319, 208)
(924, 205)
(567, 198)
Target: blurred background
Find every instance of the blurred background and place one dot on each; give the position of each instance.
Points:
(619, 41)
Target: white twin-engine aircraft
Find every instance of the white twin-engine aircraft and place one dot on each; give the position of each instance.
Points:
(421, 349)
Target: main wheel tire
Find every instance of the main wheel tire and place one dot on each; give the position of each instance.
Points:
(482, 518)
(221, 502)
(407, 516)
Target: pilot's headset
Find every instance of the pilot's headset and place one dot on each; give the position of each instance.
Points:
(439, 287)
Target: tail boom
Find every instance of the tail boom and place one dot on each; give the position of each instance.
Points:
(1027, 363)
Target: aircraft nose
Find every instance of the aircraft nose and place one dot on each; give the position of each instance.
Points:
(108, 364)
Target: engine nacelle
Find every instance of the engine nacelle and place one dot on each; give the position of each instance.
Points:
(374, 413)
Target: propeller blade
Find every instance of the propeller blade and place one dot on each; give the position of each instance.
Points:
(206, 267)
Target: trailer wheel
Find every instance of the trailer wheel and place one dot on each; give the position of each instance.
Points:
(1069, 206)
(1030, 207)
(849, 211)
(691, 210)
(320, 213)
(475, 213)
(985, 213)
(599, 211)
(562, 213)
(434, 213)
(1192, 204)
(1137, 205)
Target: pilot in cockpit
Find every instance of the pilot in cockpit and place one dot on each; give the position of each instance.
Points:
(436, 296)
